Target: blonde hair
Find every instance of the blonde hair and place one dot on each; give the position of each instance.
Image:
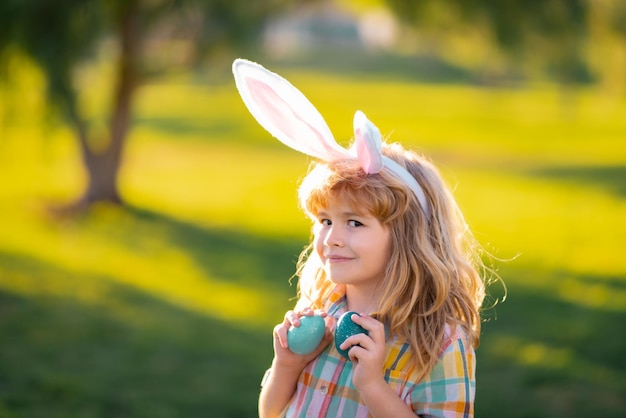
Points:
(433, 277)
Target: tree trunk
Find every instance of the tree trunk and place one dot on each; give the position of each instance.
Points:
(103, 165)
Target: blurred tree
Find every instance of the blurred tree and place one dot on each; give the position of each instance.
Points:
(62, 35)
(553, 30)
(607, 53)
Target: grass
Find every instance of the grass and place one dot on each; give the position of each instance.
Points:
(165, 308)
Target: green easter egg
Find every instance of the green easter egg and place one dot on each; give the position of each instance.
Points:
(347, 328)
(305, 338)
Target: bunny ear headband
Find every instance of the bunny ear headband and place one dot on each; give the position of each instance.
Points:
(290, 117)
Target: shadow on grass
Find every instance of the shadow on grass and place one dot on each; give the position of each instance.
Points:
(611, 179)
(545, 357)
(118, 352)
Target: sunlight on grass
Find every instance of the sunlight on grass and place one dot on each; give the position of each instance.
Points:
(564, 226)
(95, 248)
(603, 296)
(535, 354)
(249, 188)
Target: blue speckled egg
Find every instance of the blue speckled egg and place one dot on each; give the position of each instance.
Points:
(347, 328)
(305, 338)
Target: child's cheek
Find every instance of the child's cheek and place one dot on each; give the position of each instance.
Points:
(318, 242)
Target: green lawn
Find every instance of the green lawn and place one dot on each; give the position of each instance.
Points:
(165, 309)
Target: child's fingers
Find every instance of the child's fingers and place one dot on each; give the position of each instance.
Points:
(292, 318)
(369, 344)
(355, 353)
(280, 335)
(321, 313)
(306, 312)
(362, 340)
(362, 348)
(375, 328)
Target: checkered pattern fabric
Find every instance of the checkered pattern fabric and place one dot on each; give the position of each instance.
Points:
(325, 386)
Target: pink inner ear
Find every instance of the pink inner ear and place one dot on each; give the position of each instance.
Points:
(278, 112)
(362, 152)
(368, 154)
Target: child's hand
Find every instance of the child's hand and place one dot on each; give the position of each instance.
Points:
(283, 356)
(367, 353)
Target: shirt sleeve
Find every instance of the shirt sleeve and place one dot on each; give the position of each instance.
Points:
(449, 389)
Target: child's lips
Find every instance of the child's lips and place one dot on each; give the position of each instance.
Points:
(337, 258)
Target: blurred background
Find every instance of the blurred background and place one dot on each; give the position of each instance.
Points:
(149, 227)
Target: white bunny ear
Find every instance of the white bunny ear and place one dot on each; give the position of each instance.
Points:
(368, 144)
(285, 112)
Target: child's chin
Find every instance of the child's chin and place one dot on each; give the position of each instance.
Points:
(338, 279)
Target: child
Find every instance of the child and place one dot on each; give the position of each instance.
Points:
(389, 243)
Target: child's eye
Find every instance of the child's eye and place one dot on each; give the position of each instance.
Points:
(354, 223)
(325, 222)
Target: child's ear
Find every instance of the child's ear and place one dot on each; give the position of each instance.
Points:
(285, 112)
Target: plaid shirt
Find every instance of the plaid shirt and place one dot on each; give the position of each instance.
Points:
(325, 386)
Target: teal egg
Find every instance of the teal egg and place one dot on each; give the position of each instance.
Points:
(346, 328)
(305, 338)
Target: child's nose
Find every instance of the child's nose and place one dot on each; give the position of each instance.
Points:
(334, 238)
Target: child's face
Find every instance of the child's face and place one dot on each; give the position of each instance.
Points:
(354, 248)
